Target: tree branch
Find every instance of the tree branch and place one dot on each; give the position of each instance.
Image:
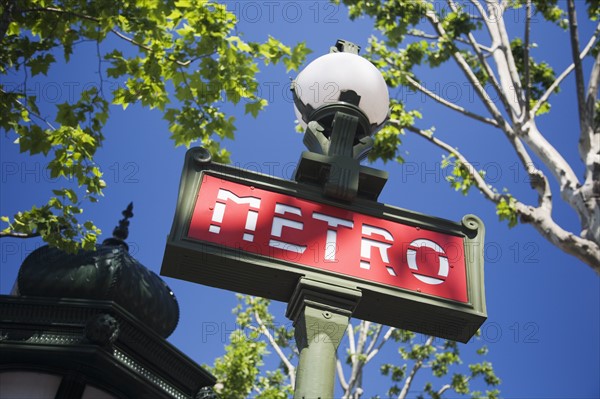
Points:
(589, 150)
(480, 9)
(579, 82)
(291, 370)
(374, 339)
(423, 35)
(340, 373)
(26, 108)
(526, 57)
(539, 217)
(479, 181)
(386, 337)
(558, 166)
(507, 69)
(592, 96)
(117, 33)
(492, 76)
(466, 69)
(12, 234)
(446, 387)
(585, 250)
(482, 60)
(538, 179)
(416, 85)
(416, 367)
(357, 363)
(564, 74)
(443, 389)
(350, 333)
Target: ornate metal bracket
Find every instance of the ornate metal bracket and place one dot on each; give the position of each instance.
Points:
(333, 159)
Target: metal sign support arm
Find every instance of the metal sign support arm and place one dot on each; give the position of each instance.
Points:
(320, 313)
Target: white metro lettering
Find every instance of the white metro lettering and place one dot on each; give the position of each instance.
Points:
(366, 244)
(279, 223)
(295, 228)
(219, 211)
(411, 257)
(331, 243)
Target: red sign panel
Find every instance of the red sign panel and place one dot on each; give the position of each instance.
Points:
(329, 238)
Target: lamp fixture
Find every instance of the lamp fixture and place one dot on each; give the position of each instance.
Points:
(341, 100)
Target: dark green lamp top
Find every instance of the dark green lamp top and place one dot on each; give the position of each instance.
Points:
(108, 273)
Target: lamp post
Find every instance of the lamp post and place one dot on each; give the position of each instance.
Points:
(323, 243)
(342, 100)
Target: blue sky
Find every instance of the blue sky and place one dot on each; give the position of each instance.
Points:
(543, 305)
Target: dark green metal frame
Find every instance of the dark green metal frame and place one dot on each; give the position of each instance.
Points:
(252, 274)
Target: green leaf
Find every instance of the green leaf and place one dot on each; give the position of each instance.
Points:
(40, 64)
(13, 29)
(255, 107)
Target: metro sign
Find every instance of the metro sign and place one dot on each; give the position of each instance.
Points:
(328, 238)
(256, 234)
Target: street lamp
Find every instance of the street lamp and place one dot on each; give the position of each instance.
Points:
(341, 100)
(323, 243)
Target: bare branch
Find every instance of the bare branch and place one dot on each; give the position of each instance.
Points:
(362, 336)
(565, 73)
(443, 389)
(449, 104)
(585, 250)
(507, 69)
(594, 83)
(479, 181)
(416, 367)
(526, 57)
(357, 363)
(423, 35)
(464, 66)
(291, 370)
(340, 373)
(446, 387)
(482, 59)
(538, 179)
(589, 142)
(579, 82)
(350, 333)
(539, 217)
(480, 9)
(12, 234)
(386, 337)
(556, 163)
(374, 339)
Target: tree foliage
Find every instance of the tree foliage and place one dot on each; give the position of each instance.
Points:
(180, 57)
(259, 338)
(513, 89)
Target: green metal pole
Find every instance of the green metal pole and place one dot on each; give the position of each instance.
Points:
(320, 313)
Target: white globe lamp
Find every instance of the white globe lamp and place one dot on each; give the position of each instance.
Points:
(342, 81)
(341, 100)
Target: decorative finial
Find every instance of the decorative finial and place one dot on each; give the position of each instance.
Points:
(344, 46)
(122, 230)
